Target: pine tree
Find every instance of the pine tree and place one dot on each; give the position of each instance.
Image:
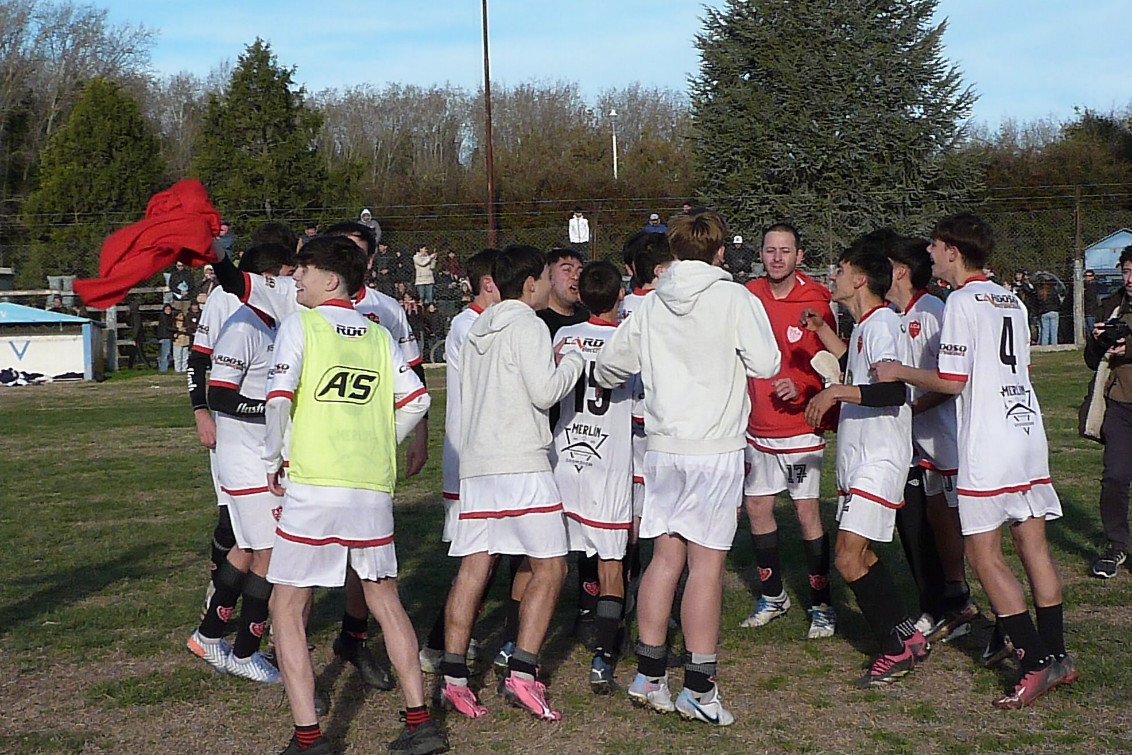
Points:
(257, 152)
(838, 116)
(96, 175)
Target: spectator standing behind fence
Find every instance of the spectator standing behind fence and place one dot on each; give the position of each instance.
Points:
(1116, 429)
(56, 304)
(165, 337)
(181, 286)
(579, 229)
(1092, 302)
(424, 266)
(1049, 304)
(208, 282)
(368, 219)
(181, 341)
(655, 226)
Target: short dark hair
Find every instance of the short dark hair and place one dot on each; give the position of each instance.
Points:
(784, 228)
(338, 255)
(513, 266)
(970, 234)
(599, 285)
(558, 254)
(275, 232)
(699, 235)
(1125, 256)
(479, 265)
(266, 258)
(869, 254)
(643, 252)
(354, 228)
(913, 252)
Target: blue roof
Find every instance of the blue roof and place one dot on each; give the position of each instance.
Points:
(17, 314)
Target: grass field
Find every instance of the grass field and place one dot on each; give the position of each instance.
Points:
(106, 509)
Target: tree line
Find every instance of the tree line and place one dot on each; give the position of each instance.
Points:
(866, 123)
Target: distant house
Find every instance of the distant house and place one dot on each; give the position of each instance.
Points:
(1104, 254)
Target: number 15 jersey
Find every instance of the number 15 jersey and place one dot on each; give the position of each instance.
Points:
(985, 343)
(592, 452)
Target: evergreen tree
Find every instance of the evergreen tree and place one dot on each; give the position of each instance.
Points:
(257, 152)
(839, 116)
(96, 174)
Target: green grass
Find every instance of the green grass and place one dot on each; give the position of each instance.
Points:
(106, 510)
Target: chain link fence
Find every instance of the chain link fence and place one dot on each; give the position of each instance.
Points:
(1041, 233)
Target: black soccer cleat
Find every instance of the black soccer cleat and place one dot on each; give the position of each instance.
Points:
(356, 652)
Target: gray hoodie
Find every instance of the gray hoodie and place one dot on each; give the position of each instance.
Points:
(508, 382)
(694, 343)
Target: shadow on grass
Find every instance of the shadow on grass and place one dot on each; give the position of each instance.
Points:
(55, 590)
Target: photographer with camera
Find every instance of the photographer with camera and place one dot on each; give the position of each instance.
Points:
(1107, 348)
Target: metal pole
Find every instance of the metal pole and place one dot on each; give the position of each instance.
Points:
(613, 120)
(1078, 275)
(491, 238)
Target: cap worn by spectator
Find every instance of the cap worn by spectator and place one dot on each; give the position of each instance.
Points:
(654, 216)
(737, 240)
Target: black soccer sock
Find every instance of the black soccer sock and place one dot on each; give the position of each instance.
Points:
(632, 562)
(769, 562)
(523, 663)
(588, 585)
(454, 666)
(817, 563)
(354, 629)
(609, 610)
(229, 584)
(918, 541)
(1051, 628)
(956, 595)
(416, 716)
(436, 635)
(1031, 650)
(511, 609)
(652, 660)
(875, 593)
(699, 672)
(223, 540)
(306, 736)
(253, 616)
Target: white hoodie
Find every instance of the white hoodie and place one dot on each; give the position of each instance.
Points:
(508, 381)
(694, 342)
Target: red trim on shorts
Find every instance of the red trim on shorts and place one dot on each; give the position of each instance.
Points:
(244, 491)
(638, 479)
(202, 350)
(286, 464)
(599, 525)
(410, 397)
(374, 543)
(768, 450)
(451, 496)
(953, 376)
(223, 384)
(289, 395)
(415, 362)
(1008, 489)
(925, 464)
(507, 513)
(871, 497)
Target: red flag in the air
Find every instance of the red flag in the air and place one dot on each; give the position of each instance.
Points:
(180, 224)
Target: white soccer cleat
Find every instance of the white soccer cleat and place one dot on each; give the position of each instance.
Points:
(213, 652)
(706, 707)
(655, 695)
(256, 668)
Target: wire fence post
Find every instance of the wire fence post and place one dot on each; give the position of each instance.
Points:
(1078, 274)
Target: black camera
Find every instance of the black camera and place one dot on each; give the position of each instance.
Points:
(1114, 330)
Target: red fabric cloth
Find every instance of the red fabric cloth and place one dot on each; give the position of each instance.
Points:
(180, 224)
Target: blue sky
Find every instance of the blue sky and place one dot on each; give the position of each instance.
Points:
(1026, 59)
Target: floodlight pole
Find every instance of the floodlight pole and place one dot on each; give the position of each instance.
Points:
(491, 238)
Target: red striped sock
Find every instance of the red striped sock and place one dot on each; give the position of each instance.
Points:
(307, 735)
(414, 717)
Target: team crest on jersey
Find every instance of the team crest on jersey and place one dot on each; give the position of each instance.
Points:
(583, 445)
(372, 317)
(793, 334)
(914, 328)
(1017, 402)
(346, 385)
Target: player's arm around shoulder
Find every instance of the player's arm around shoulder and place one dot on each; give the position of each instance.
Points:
(547, 374)
(755, 341)
(619, 359)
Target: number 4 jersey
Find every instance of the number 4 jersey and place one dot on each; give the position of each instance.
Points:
(985, 343)
(592, 451)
